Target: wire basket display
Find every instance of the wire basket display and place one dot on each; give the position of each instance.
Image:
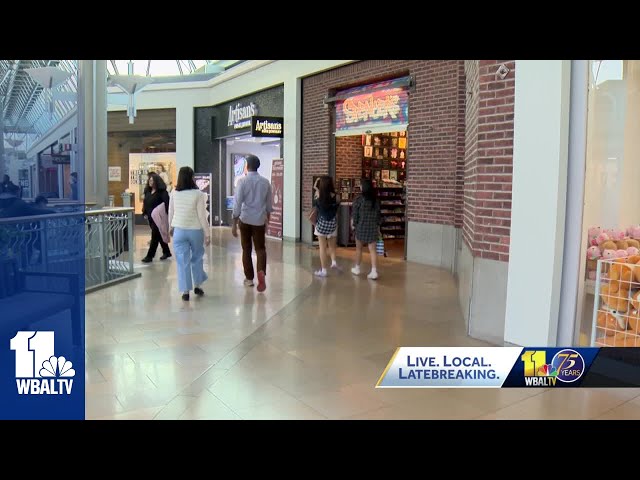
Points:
(616, 318)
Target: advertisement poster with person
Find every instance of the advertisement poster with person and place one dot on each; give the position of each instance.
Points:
(239, 168)
(274, 228)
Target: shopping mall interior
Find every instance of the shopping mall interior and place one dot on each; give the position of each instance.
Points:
(463, 156)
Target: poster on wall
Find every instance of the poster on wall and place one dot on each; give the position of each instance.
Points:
(204, 183)
(274, 228)
(239, 163)
(115, 174)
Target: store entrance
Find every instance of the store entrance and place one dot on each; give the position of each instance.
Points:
(381, 157)
(236, 151)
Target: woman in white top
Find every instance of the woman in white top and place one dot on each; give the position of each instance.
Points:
(191, 232)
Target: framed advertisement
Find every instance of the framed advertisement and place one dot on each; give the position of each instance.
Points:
(115, 174)
(204, 181)
(274, 227)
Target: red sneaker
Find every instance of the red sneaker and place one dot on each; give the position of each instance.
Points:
(262, 286)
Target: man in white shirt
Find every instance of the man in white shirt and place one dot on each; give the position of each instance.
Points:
(251, 211)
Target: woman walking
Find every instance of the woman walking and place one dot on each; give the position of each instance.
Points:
(366, 222)
(155, 193)
(190, 227)
(326, 203)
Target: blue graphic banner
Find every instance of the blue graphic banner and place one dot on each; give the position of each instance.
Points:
(509, 367)
(42, 284)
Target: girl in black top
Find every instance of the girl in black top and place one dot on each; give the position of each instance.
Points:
(326, 202)
(366, 223)
(155, 193)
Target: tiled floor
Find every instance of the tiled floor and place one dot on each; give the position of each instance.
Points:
(306, 349)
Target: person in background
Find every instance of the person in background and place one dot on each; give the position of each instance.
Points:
(191, 233)
(156, 195)
(41, 201)
(12, 207)
(366, 223)
(251, 212)
(73, 183)
(7, 186)
(326, 202)
(165, 176)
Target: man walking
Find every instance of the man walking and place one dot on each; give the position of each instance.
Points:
(251, 212)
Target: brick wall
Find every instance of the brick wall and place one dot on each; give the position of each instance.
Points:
(488, 158)
(348, 157)
(435, 153)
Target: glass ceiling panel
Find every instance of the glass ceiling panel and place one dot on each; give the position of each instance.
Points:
(163, 68)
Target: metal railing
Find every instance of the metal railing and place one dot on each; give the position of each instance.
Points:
(98, 242)
(108, 246)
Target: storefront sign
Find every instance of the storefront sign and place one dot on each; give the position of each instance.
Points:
(115, 174)
(267, 127)
(274, 228)
(204, 183)
(372, 105)
(240, 115)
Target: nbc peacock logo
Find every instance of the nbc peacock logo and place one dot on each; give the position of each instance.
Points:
(38, 370)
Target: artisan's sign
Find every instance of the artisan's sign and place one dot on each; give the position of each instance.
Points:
(267, 127)
(372, 105)
(240, 115)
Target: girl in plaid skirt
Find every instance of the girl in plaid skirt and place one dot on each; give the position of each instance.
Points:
(366, 223)
(326, 201)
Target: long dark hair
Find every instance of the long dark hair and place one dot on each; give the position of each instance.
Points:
(325, 191)
(369, 191)
(158, 183)
(186, 180)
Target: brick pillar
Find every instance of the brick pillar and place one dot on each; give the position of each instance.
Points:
(488, 158)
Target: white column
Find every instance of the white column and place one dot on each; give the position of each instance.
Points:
(292, 154)
(540, 153)
(184, 136)
(92, 130)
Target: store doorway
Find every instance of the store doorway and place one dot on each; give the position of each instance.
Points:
(382, 158)
(236, 151)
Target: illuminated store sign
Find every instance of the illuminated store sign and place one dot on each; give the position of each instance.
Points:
(267, 127)
(240, 115)
(372, 105)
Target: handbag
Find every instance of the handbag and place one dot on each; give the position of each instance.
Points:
(313, 216)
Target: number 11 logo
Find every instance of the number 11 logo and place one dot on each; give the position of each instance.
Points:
(32, 350)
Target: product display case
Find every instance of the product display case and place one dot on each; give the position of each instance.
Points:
(616, 310)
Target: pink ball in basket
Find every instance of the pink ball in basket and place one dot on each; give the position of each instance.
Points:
(621, 253)
(609, 254)
(631, 251)
(635, 232)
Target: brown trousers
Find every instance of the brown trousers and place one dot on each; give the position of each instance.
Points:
(252, 236)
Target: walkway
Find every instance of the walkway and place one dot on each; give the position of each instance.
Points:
(306, 349)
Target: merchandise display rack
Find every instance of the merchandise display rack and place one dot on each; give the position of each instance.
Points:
(392, 209)
(384, 161)
(616, 309)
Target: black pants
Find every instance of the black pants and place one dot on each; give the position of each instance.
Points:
(156, 238)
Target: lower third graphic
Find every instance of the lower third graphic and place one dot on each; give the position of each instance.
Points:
(38, 370)
(566, 366)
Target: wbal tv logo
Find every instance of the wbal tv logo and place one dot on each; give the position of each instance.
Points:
(38, 370)
(566, 366)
